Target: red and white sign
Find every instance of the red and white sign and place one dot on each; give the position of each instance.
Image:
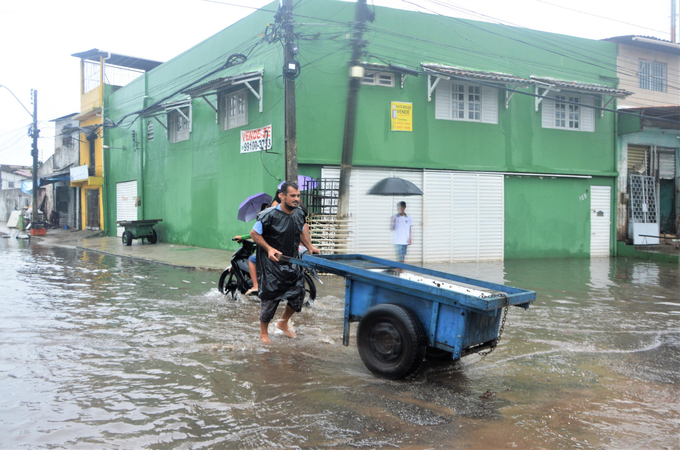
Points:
(256, 140)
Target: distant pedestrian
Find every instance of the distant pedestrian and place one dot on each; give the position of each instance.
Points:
(401, 231)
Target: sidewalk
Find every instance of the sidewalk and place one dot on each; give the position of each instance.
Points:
(171, 254)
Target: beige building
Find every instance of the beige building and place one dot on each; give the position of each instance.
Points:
(650, 68)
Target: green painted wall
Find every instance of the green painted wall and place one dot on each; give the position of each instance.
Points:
(517, 143)
(196, 186)
(549, 217)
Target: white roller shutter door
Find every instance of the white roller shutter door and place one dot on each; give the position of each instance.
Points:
(125, 203)
(437, 216)
(464, 216)
(600, 224)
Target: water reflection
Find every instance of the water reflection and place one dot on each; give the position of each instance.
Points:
(98, 351)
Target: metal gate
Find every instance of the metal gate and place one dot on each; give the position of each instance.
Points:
(93, 209)
(642, 211)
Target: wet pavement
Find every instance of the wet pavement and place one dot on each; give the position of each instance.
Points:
(99, 351)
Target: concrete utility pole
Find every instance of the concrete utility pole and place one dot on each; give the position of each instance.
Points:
(356, 72)
(34, 151)
(291, 70)
(674, 19)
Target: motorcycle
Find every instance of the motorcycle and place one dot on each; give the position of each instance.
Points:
(236, 277)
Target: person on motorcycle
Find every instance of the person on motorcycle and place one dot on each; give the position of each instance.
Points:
(252, 260)
(279, 231)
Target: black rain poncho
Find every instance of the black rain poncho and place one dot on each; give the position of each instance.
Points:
(279, 281)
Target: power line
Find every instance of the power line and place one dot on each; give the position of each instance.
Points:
(600, 17)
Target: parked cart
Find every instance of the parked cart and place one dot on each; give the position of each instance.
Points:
(407, 313)
(139, 229)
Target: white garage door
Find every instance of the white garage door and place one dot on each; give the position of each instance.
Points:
(371, 214)
(463, 216)
(125, 203)
(600, 223)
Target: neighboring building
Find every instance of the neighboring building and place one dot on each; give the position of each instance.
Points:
(101, 73)
(505, 175)
(62, 202)
(11, 196)
(12, 176)
(649, 145)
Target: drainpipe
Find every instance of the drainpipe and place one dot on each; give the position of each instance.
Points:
(614, 229)
(105, 191)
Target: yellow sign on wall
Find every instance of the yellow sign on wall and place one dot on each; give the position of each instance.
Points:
(401, 116)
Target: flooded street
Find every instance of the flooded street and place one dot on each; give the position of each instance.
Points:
(104, 352)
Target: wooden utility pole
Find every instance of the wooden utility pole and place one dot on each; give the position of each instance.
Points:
(355, 75)
(290, 71)
(34, 151)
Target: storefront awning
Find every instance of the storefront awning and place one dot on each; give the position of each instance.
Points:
(55, 177)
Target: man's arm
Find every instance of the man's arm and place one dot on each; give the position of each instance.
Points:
(306, 240)
(259, 240)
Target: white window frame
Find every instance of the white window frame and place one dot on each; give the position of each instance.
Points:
(384, 79)
(466, 92)
(176, 116)
(10, 185)
(567, 115)
(652, 75)
(234, 109)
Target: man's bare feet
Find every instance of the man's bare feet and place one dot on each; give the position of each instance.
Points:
(283, 326)
(265, 339)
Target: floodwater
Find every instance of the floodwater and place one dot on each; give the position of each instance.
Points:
(103, 352)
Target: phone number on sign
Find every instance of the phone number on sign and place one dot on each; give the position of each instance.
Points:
(256, 146)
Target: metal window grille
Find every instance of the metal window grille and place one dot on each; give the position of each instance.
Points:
(90, 75)
(642, 191)
(652, 75)
(149, 131)
(321, 196)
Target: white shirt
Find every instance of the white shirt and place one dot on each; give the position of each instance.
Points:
(401, 229)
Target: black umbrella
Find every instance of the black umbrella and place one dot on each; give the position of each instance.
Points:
(394, 186)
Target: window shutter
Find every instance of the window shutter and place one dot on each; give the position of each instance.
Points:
(548, 112)
(443, 100)
(587, 114)
(489, 104)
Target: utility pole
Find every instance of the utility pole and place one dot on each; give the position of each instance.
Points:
(355, 75)
(674, 20)
(291, 69)
(34, 151)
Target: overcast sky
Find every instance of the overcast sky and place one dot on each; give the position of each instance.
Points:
(37, 38)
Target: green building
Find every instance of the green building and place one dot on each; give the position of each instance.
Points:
(503, 134)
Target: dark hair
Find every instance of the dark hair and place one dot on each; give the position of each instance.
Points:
(276, 196)
(286, 185)
(402, 204)
(263, 207)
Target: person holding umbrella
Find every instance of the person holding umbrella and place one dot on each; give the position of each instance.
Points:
(247, 211)
(401, 231)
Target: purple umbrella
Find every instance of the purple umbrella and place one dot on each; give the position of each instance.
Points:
(303, 182)
(252, 206)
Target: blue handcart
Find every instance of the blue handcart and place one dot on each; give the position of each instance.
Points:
(407, 313)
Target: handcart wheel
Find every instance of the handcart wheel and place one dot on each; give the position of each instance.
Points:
(127, 238)
(153, 238)
(391, 341)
